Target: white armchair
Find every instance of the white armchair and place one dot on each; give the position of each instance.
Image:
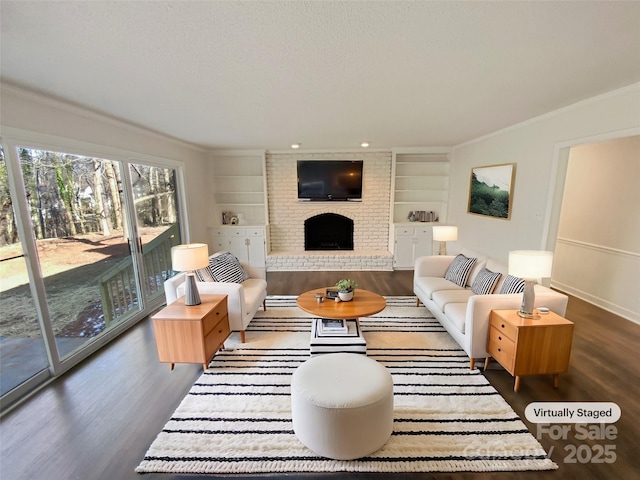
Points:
(243, 299)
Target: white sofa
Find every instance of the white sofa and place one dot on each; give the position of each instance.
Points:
(243, 299)
(464, 314)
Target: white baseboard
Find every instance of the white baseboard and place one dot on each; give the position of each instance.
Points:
(599, 302)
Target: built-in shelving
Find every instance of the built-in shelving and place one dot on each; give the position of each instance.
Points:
(420, 182)
(240, 186)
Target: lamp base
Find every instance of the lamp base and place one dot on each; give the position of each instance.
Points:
(191, 294)
(528, 299)
(443, 248)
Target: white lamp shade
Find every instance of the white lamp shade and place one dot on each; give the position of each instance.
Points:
(444, 233)
(189, 257)
(530, 263)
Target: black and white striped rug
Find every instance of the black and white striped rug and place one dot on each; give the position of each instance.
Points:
(237, 416)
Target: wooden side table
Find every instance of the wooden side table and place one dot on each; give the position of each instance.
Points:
(191, 334)
(526, 346)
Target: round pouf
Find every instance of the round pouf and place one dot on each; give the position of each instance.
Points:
(342, 405)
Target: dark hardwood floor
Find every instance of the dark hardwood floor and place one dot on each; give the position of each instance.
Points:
(97, 421)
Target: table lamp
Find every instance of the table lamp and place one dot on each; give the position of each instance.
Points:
(529, 265)
(444, 234)
(187, 258)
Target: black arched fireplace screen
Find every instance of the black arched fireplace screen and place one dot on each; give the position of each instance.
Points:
(328, 231)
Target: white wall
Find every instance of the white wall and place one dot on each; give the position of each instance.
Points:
(67, 126)
(532, 146)
(597, 239)
(536, 148)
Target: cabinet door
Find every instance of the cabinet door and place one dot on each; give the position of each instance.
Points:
(256, 246)
(238, 246)
(219, 241)
(403, 253)
(423, 244)
(257, 255)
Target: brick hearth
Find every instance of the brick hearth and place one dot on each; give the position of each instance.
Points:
(322, 260)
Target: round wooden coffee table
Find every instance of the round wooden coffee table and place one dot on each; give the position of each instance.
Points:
(364, 303)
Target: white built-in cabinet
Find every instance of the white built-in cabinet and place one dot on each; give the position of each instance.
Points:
(420, 181)
(239, 185)
(248, 244)
(410, 243)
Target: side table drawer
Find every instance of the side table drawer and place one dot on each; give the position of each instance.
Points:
(214, 317)
(502, 348)
(503, 326)
(216, 336)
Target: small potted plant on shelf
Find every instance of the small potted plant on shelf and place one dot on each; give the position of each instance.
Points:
(346, 287)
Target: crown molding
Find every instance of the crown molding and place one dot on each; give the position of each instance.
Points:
(553, 113)
(85, 112)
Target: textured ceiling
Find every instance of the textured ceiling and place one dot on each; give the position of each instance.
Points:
(327, 74)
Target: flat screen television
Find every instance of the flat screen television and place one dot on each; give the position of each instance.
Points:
(330, 180)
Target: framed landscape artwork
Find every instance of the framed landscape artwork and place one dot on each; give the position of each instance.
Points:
(491, 190)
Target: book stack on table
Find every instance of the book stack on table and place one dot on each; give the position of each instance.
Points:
(330, 326)
(331, 339)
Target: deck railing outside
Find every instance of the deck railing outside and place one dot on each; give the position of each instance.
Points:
(118, 284)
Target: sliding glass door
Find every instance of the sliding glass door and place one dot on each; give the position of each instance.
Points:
(156, 214)
(78, 223)
(23, 354)
(101, 233)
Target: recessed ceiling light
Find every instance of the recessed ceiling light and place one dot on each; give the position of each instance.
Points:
(364, 144)
(295, 145)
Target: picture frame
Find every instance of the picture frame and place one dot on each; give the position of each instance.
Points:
(491, 190)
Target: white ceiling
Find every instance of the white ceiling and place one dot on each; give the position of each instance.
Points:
(258, 74)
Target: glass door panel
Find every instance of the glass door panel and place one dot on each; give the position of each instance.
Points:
(156, 210)
(79, 225)
(22, 348)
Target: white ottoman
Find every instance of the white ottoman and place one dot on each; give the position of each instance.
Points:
(342, 405)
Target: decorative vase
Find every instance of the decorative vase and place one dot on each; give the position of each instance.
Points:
(346, 296)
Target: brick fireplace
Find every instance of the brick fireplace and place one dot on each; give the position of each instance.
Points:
(370, 217)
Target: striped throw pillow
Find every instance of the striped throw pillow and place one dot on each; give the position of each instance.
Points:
(203, 275)
(459, 270)
(485, 282)
(225, 267)
(512, 285)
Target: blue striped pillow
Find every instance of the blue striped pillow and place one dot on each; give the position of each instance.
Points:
(485, 282)
(512, 285)
(459, 270)
(225, 267)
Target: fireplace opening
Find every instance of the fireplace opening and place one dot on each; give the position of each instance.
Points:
(328, 231)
